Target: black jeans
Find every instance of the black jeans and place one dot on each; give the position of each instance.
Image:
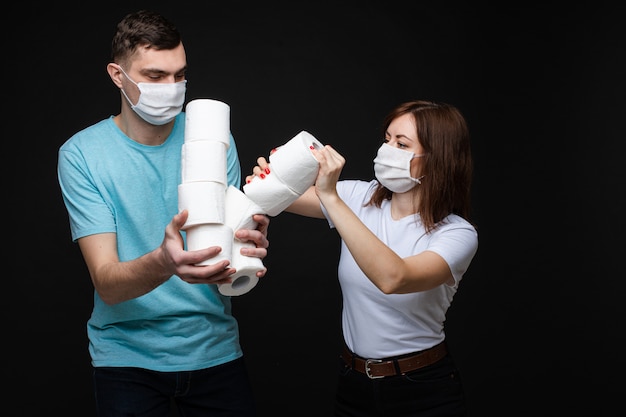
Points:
(223, 390)
(433, 391)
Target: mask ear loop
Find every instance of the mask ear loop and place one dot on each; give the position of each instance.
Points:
(122, 89)
(419, 179)
(126, 75)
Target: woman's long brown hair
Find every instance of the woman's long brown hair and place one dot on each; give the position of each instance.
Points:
(443, 133)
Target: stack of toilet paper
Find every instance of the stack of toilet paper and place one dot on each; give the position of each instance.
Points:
(203, 176)
(217, 210)
(293, 169)
(203, 193)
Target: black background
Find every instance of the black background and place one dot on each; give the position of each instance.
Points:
(536, 326)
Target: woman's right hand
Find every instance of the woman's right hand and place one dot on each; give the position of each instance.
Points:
(260, 170)
(331, 163)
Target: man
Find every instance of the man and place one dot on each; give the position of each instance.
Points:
(159, 330)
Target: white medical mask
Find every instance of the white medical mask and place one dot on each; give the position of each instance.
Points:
(392, 167)
(158, 103)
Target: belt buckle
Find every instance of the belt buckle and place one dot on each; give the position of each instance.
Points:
(367, 368)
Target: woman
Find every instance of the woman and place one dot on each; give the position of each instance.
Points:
(406, 243)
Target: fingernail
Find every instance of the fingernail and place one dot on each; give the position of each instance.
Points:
(273, 150)
(267, 170)
(311, 147)
(262, 175)
(248, 181)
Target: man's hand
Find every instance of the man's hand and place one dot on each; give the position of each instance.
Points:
(180, 262)
(258, 237)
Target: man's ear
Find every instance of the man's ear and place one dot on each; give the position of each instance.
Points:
(115, 73)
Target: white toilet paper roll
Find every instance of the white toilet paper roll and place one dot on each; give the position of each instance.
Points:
(247, 266)
(270, 193)
(239, 209)
(204, 200)
(203, 160)
(204, 236)
(294, 163)
(207, 119)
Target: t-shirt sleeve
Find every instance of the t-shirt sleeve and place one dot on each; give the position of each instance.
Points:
(88, 212)
(233, 165)
(457, 244)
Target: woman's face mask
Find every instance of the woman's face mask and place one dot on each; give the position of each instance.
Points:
(159, 103)
(392, 167)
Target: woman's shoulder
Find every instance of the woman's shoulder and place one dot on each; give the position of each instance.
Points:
(455, 222)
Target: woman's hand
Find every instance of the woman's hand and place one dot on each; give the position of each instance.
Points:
(331, 164)
(260, 170)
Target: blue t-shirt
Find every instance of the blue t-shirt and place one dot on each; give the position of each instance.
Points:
(113, 184)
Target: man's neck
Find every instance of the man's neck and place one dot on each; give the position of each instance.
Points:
(139, 130)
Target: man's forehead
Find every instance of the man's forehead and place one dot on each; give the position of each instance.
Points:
(148, 58)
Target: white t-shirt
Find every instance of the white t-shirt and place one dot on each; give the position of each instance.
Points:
(378, 325)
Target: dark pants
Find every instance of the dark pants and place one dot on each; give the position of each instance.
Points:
(433, 391)
(223, 390)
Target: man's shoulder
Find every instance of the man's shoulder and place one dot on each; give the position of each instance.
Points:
(89, 133)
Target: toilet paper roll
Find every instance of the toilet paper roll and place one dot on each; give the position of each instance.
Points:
(270, 193)
(247, 267)
(294, 163)
(203, 160)
(204, 236)
(204, 200)
(239, 209)
(207, 119)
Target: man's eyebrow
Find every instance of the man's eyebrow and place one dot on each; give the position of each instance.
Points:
(154, 71)
(157, 71)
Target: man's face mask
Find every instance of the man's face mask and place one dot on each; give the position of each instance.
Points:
(159, 103)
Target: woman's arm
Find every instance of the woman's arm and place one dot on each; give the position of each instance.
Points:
(389, 272)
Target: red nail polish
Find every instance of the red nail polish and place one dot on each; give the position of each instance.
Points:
(267, 170)
(311, 147)
(262, 175)
(248, 181)
(273, 150)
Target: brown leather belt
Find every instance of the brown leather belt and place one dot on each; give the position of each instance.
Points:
(378, 368)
